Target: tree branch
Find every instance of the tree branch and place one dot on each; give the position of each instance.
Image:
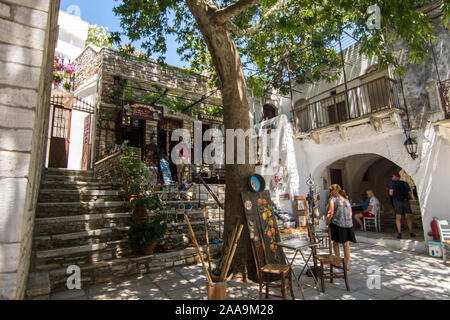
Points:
(240, 33)
(225, 14)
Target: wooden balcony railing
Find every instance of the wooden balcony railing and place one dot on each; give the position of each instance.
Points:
(444, 93)
(371, 97)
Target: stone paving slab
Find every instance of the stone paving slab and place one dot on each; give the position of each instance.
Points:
(403, 276)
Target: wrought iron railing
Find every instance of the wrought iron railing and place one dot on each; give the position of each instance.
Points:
(444, 93)
(69, 101)
(374, 96)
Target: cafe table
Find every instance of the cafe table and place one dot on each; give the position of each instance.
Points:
(300, 246)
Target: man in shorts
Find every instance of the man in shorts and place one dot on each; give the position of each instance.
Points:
(400, 192)
(372, 210)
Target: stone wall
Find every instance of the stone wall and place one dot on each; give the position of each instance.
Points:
(27, 45)
(104, 170)
(145, 73)
(420, 80)
(88, 64)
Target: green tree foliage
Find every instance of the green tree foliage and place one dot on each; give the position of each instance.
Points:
(99, 36)
(282, 40)
(276, 35)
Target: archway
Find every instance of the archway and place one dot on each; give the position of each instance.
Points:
(269, 111)
(362, 172)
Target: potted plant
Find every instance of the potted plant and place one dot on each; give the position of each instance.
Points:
(135, 179)
(143, 236)
(140, 204)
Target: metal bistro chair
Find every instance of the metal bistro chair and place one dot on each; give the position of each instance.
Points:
(269, 274)
(373, 222)
(322, 259)
(444, 233)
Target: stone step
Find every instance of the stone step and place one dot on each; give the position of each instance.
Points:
(80, 185)
(80, 255)
(106, 271)
(69, 172)
(55, 209)
(79, 223)
(64, 195)
(74, 178)
(79, 238)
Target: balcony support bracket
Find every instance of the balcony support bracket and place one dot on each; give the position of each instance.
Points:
(316, 137)
(343, 132)
(396, 119)
(377, 124)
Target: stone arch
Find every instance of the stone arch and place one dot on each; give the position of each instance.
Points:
(400, 161)
(380, 167)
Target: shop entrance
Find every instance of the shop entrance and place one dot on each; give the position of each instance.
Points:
(133, 131)
(166, 128)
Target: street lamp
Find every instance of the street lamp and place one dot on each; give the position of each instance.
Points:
(411, 147)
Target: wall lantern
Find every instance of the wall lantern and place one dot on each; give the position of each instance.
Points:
(411, 146)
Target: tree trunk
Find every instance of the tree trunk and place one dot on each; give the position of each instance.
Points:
(228, 65)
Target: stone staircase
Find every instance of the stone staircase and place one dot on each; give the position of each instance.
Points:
(81, 221)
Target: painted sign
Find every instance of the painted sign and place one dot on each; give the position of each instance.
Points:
(143, 111)
(262, 223)
(208, 118)
(284, 196)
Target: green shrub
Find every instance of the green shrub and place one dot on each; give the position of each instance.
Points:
(143, 234)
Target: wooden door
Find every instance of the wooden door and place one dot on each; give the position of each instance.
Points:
(86, 157)
(336, 177)
(60, 138)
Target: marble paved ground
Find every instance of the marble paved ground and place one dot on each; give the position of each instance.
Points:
(404, 275)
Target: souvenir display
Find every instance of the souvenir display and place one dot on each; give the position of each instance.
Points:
(166, 173)
(261, 220)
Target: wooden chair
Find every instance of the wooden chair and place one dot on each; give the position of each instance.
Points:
(373, 222)
(269, 274)
(327, 258)
(444, 233)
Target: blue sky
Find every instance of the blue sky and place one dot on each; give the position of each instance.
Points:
(100, 12)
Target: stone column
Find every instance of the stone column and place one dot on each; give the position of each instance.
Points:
(27, 45)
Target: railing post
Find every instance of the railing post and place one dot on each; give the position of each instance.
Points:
(335, 110)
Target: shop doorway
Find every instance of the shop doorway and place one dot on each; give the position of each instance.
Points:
(166, 128)
(133, 131)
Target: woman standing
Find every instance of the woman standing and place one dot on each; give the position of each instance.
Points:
(339, 219)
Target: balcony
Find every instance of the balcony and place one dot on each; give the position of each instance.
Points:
(368, 99)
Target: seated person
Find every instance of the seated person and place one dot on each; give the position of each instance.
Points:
(364, 202)
(372, 210)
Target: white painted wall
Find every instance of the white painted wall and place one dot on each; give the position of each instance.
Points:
(73, 32)
(286, 169)
(430, 171)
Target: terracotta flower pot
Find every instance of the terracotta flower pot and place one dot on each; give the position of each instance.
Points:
(140, 214)
(148, 250)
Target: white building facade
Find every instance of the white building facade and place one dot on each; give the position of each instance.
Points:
(353, 133)
(72, 35)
